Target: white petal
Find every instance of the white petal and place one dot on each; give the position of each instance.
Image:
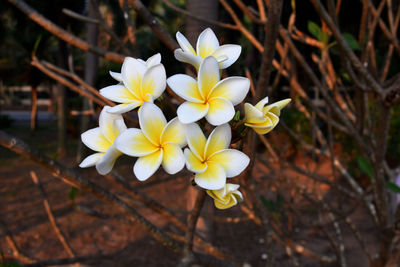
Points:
(221, 111)
(116, 75)
(233, 161)
(252, 114)
(193, 163)
(173, 159)
(212, 178)
(188, 57)
(153, 60)
(142, 61)
(186, 87)
(219, 139)
(123, 108)
(152, 122)
(232, 187)
(207, 43)
(189, 112)
(95, 140)
(134, 143)
(118, 93)
(196, 140)
(277, 106)
(91, 160)
(174, 132)
(232, 52)
(132, 72)
(262, 103)
(146, 166)
(208, 76)
(154, 81)
(111, 125)
(234, 89)
(184, 43)
(107, 161)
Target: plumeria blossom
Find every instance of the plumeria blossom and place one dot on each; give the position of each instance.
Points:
(208, 96)
(263, 118)
(156, 143)
(207, 45)
(101, 139)
(210, 159)
(140, 81)
(226, 197)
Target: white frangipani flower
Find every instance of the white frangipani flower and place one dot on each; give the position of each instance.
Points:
(211, 159)
(207, 45)
(208, 96)
(226, 197)
(101, 139)
(150, 62)
(140, 81)
(156, 143)
(263, 118)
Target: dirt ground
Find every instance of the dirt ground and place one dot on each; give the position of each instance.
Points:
(128, 244)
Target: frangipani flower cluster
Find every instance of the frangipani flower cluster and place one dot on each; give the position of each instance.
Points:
(181, 141)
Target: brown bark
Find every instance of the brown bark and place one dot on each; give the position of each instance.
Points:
(91, 63)
(34, 109)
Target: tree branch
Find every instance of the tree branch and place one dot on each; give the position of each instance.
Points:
(63, 34)
(68, 175)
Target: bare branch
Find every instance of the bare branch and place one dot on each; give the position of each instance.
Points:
(63, 34)
(191, 222)
(273, 23)
(161, 33)
(50, 215)
(60, 171)
(10, 240)
(199, 18)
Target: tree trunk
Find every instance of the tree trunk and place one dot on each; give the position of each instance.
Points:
(204, 8)
(91, 63)
(61, 104)
(207, 9)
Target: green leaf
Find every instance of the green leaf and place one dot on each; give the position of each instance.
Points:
(365, 166)
(37, 42)
(237, 116)
(393, 187)
(315, 30)
(72, 193)
(269, 204)
(351, 41)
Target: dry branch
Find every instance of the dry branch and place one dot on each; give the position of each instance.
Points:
(10, 240)
(50, 215)
(68, 175)
(63, 34)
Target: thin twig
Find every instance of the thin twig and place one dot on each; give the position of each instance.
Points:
(50, 215)
(199, 18)
(60, 171)
(63, 34)
(10, 240)
(148, 18)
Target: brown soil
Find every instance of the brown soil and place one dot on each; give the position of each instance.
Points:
(21, 209)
